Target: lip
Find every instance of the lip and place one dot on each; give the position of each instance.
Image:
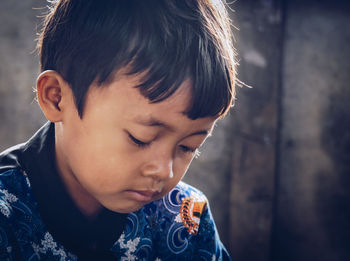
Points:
(141, 195)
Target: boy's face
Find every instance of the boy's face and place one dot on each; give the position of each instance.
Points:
(126, 152)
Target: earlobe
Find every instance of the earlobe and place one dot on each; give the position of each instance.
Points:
(50, 86)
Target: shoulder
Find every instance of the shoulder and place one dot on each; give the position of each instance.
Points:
(14, 188)
(184, 205)
(14, 179)
(14, 185)
(190, 231)
(23, 235)
(17, 204)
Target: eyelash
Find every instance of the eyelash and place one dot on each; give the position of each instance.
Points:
(187, 149)
(142, 144)
(139, 143)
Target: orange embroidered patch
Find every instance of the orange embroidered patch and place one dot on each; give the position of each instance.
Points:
(190, 213)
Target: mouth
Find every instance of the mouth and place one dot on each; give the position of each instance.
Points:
(141, 195)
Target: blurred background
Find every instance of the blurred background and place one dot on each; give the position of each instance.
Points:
(277, 169)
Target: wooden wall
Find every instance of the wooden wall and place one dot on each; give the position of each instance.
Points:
(313, 197)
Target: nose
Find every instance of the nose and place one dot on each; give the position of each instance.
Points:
(160, 168)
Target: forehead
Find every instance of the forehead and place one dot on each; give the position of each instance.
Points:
(120, 100)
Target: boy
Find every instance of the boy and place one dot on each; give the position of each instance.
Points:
(130, 89)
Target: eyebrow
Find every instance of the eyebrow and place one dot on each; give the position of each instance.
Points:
(151, 122)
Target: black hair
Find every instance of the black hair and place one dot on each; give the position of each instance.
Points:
(168, 41)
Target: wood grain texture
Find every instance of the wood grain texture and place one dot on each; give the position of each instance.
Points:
(313, 210)
(255, 127)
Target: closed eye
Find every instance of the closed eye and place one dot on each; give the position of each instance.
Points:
(190, 150)
(187, 149)
(138, 142)
(194, 152)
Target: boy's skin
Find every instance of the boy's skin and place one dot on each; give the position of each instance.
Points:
(114, 156)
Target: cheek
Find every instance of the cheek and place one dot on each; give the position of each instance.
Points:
(182, 162)
(180, 167)
(96, 159)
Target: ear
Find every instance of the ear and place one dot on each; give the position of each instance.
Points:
(51, 88)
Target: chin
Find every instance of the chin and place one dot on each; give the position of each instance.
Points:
(125, 209)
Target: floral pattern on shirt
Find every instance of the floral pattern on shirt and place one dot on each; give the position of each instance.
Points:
(177, 227)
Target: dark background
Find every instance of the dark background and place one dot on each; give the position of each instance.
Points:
(277, 169)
